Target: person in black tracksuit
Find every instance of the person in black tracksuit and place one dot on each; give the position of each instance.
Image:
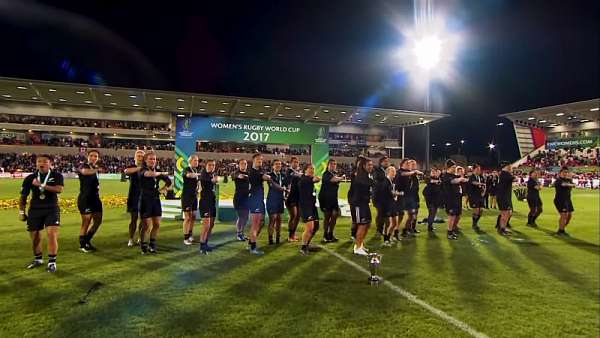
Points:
(44, 185)
(389, 194)
(350, 193)
(379, 177)
(133, 195)
(504, 197)
(533, 198)
(476, 191)
(562, 199)
(275, 199)
(359, 201)
(150, 208)
(328, 200)
(207, 204)
(292, 175)
(307, 203)
(452, 192)
(88, 201)
(433, 196)
(189, 198)
(240, 198)
(491, 186)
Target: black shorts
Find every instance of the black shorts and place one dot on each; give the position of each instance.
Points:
(534, 203)
(256, 204)
(89, 204)
(388, 209)
(433, 202)
(208, 207)
(189, 203)
(240, 202)
(309, 213)
(292, 201)
(37, 219)
(476, 202)
(275, 205)
(361, 214)
(400, 205)
(133, 204)
(150, 207)
(564, 205)
(329, 204)
(411, 203)
(454, 206)
(504, 204)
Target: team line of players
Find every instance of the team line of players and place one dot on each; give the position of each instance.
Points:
(393, 192)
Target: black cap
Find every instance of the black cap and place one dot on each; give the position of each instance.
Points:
(450, 163)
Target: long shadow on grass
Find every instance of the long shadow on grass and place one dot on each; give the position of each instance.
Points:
(578, 243)
(551, 262)
(470, 271)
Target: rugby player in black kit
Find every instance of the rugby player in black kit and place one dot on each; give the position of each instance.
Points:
(307, 203)
(208, 204)
(88, 201)
(476, 191)
(562, 199)
(360, 197)
(133, 196)
(533, 198)
(150, 208)
(328, 200)
(189, 198)
(44, 185)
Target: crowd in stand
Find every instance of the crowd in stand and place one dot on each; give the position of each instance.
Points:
(76, 122)
(75, 142)
(558, 158)
(248, 148)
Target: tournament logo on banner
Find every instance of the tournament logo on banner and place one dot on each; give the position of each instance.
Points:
(200, 128)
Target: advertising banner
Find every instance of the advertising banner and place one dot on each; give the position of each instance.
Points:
(576, 142)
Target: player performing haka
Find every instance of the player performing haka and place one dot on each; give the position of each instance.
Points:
(275, 201)
(562, 199)
(504, 198)
(433, 196)
(256, 201)
(150, 208)
(533, 198)
(208, 204)
(44, 186)
(379, 176)
(328, 200)
(88, 201)
(359, 199)
(411, 194)
(293, 176)
(451, 186)
(240, 198)
(388, 204)
(307, 203)
(134, 196)
(189, 198)
(350, 193)
(476, 191)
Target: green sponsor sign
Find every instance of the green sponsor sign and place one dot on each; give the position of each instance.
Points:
(252, 131)
(579, 142)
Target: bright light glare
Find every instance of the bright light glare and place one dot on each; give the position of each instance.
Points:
(427, 52)
(491, 146)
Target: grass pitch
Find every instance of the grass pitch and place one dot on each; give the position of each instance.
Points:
(532, 285)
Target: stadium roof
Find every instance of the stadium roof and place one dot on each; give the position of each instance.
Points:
(562, 114)
(109, 98)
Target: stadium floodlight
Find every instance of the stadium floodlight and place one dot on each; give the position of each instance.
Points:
(491, 146)
(595, 109)
(428, 52)
(500, 124)
(462, 141)
(448, 144)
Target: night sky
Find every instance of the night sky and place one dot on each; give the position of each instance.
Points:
(515, 54)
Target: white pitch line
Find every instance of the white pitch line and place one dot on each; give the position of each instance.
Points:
(439, 313)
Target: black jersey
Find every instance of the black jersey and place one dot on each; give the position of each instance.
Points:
(387, 188)
(255, 177)
(150, 185)
(190, 184)
(475, 185)
(50, 199)
(361, 189)
(89, 185)
(134, 183)
(242, 185)
(306, 190)
(402, 182)
(379, 179)
(208, 186)
(562, 193)
(532, 192)
(412, 187)
(329, 189)
(505, 181)
(433, 187)
(351, 190)
(293, 178)
(451, 190)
